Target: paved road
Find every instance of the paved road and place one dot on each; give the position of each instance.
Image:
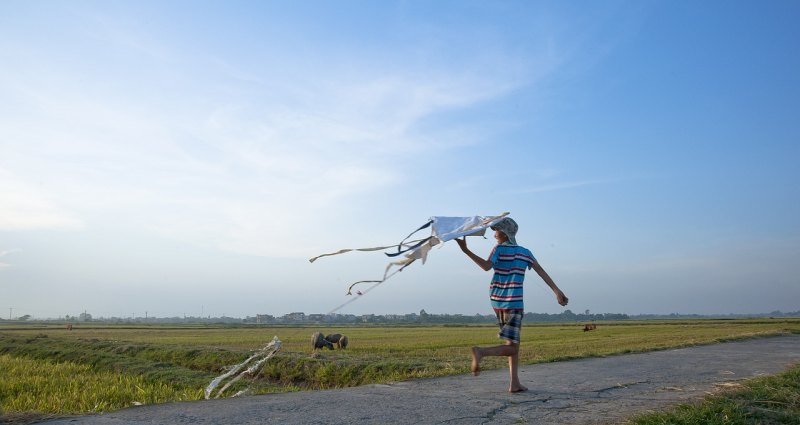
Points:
(587, 391)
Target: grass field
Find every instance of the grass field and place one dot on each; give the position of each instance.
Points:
(50, 370)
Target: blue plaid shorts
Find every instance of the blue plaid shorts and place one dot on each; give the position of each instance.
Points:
(510, 323)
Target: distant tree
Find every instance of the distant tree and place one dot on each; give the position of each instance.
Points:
(25, 317)
(85, 317)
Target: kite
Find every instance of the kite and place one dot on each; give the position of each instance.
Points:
(443, 229)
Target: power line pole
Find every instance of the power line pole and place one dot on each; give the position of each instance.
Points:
(10, 309)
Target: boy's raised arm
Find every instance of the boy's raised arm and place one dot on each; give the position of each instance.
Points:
(484, 264)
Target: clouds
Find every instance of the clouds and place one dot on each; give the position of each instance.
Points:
(226, 164)
(26, 207)
(5, 253)
(559, 186)
(232, 142)
(286, 164)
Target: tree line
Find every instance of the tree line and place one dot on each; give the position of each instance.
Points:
(423, 317)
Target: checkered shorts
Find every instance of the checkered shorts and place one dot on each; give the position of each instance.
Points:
(510, 323)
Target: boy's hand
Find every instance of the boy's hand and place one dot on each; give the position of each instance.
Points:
(562, 299)
(462, 243)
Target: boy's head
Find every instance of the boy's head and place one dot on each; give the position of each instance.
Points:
(507, 227)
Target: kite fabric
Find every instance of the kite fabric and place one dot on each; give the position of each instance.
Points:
(443, 229)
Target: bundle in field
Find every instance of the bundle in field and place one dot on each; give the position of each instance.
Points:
(255, 361)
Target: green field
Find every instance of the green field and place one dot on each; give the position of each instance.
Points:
(50, 370)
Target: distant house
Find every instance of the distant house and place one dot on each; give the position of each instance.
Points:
(295, 317)
(264, 318)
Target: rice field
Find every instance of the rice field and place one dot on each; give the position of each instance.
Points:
(65, 387)
(48, 370)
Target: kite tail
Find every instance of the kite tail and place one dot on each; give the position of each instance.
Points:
(415, 246)
(377, 283)
(376, 248)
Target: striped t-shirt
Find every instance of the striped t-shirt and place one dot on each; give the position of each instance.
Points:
(509, 263)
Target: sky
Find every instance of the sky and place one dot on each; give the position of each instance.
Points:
(189, 157)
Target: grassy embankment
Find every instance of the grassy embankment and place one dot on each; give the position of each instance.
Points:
(768, 400)
(119, 366)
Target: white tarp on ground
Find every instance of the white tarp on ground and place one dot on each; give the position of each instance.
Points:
(255, 361)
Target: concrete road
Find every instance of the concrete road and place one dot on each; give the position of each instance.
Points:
(587, 391)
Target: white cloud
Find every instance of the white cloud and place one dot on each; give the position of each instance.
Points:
(559, 186)
(243, 164)
(26, 207)
(4, 253)
(232, 176)
(289, 172)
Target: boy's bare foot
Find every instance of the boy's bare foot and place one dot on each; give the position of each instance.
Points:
(476, 361)
(518, 389)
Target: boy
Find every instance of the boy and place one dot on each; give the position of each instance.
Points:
(509, 262)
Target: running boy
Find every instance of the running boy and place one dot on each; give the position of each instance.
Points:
(509, 262)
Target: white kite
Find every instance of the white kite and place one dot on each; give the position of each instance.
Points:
(443, 229)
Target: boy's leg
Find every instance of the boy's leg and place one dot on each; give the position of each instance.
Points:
(478, 353)
(510, 325)
(513, 370)
(510, 350)
(511, 333)
(476, 360)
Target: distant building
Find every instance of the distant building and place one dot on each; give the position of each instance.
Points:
(295, 317)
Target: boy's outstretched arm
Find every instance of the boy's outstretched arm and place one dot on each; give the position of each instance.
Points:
(484, 264)
(562, 299)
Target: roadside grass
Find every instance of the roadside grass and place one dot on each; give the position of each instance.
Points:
(69, 388)
(183, 366)
(186, 358)
(767, 400)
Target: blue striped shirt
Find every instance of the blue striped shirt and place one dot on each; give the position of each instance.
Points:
(509, 263)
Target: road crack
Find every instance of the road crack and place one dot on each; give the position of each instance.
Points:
(620, 386)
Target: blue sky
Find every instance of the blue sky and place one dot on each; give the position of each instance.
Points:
(189, 157)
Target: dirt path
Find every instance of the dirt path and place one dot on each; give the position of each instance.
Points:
(587, 391)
